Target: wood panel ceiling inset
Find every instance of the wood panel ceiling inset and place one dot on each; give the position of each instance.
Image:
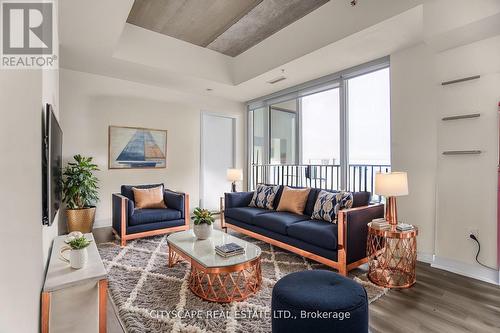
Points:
(264, 20)
(226, 26)
(195, 21)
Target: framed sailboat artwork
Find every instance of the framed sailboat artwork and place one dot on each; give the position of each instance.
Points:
(137, 148)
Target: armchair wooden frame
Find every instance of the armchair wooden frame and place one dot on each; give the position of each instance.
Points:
(124, 237)
(341, 264)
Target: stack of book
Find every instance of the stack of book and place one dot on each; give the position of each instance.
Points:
(404, 227)
(380, 223)
(229, 250)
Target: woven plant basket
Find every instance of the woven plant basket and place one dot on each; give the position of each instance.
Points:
(80, 219)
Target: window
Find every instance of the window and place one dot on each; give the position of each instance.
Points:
(283, 124)
(369, 118)
(331, 133)
(369, 130)
(258, 136)
(321, 128)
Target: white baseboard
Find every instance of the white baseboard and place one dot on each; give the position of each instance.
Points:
(470, 270)
(425, 257)
(102, 223)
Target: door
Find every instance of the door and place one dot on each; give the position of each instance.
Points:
(217, 155)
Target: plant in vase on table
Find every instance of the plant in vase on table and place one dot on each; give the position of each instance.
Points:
(80, 193)
(203, 223)
(77, 245)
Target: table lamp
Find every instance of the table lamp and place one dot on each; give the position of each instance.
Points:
(391, 185)
(234, 175)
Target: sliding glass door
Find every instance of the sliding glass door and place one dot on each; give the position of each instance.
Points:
(333, 133)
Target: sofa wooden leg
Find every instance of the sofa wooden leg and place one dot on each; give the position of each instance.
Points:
(123, 242)
(341, 247)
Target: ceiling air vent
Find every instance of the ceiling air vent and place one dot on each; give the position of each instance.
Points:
(277, 79)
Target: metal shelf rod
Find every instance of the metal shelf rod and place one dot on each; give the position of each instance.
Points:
(461, 80)
(465, 116)
(462, 152)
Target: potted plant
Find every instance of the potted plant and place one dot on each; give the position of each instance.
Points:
(80, 193)
(203, 220)
(78, 256)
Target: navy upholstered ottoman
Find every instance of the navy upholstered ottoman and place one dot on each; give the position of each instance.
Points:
(319, 301)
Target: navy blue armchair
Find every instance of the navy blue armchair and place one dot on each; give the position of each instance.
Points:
(131, 223)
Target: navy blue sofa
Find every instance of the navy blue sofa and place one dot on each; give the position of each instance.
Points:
(341, 246)
(131, 223)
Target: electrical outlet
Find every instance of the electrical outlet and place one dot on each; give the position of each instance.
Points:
(474, 232)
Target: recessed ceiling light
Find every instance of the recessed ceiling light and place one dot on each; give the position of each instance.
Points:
(210, 89)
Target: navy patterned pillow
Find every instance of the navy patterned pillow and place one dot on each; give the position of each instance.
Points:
(328, 204)
(264, 196)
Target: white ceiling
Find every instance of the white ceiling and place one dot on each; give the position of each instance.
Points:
(95, 38)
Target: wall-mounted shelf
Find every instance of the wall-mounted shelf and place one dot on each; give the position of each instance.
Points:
(462, 152)
(461, 80)
(464, 116)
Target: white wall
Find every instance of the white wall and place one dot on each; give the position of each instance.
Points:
(90, 103)
(449, 196)
(25, 244)
(467, 185)
(414, 138)
(443, 16)
(50, 95)
(20, 199)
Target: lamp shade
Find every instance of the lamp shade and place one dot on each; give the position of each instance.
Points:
(234, 175)
(392, 184)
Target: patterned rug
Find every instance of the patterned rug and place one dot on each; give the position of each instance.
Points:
(151, 297)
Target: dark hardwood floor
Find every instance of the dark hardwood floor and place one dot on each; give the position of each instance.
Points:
(439, 302)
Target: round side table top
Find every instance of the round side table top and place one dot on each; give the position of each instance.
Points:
(392, 232)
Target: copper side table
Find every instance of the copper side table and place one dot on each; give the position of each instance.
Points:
(392, 256)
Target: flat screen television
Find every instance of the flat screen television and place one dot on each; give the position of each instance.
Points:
(51, 165)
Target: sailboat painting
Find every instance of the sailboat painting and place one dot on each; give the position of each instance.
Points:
(137, 148)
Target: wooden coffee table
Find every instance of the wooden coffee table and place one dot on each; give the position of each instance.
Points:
(213, 277)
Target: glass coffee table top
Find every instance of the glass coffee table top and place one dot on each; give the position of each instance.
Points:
(203, 251)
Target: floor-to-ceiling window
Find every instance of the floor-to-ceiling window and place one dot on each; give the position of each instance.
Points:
(320, 138)
(369, 121)
(331, 133)
(320, 116)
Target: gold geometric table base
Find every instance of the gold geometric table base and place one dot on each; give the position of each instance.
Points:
(392, 257)
(221, 284)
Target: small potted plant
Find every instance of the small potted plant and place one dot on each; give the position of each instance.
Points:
(203, 220)
(80, 193)
(78, 256)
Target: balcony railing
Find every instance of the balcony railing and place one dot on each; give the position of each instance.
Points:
(328, 177)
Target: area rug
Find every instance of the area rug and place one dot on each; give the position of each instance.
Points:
(151, 297)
